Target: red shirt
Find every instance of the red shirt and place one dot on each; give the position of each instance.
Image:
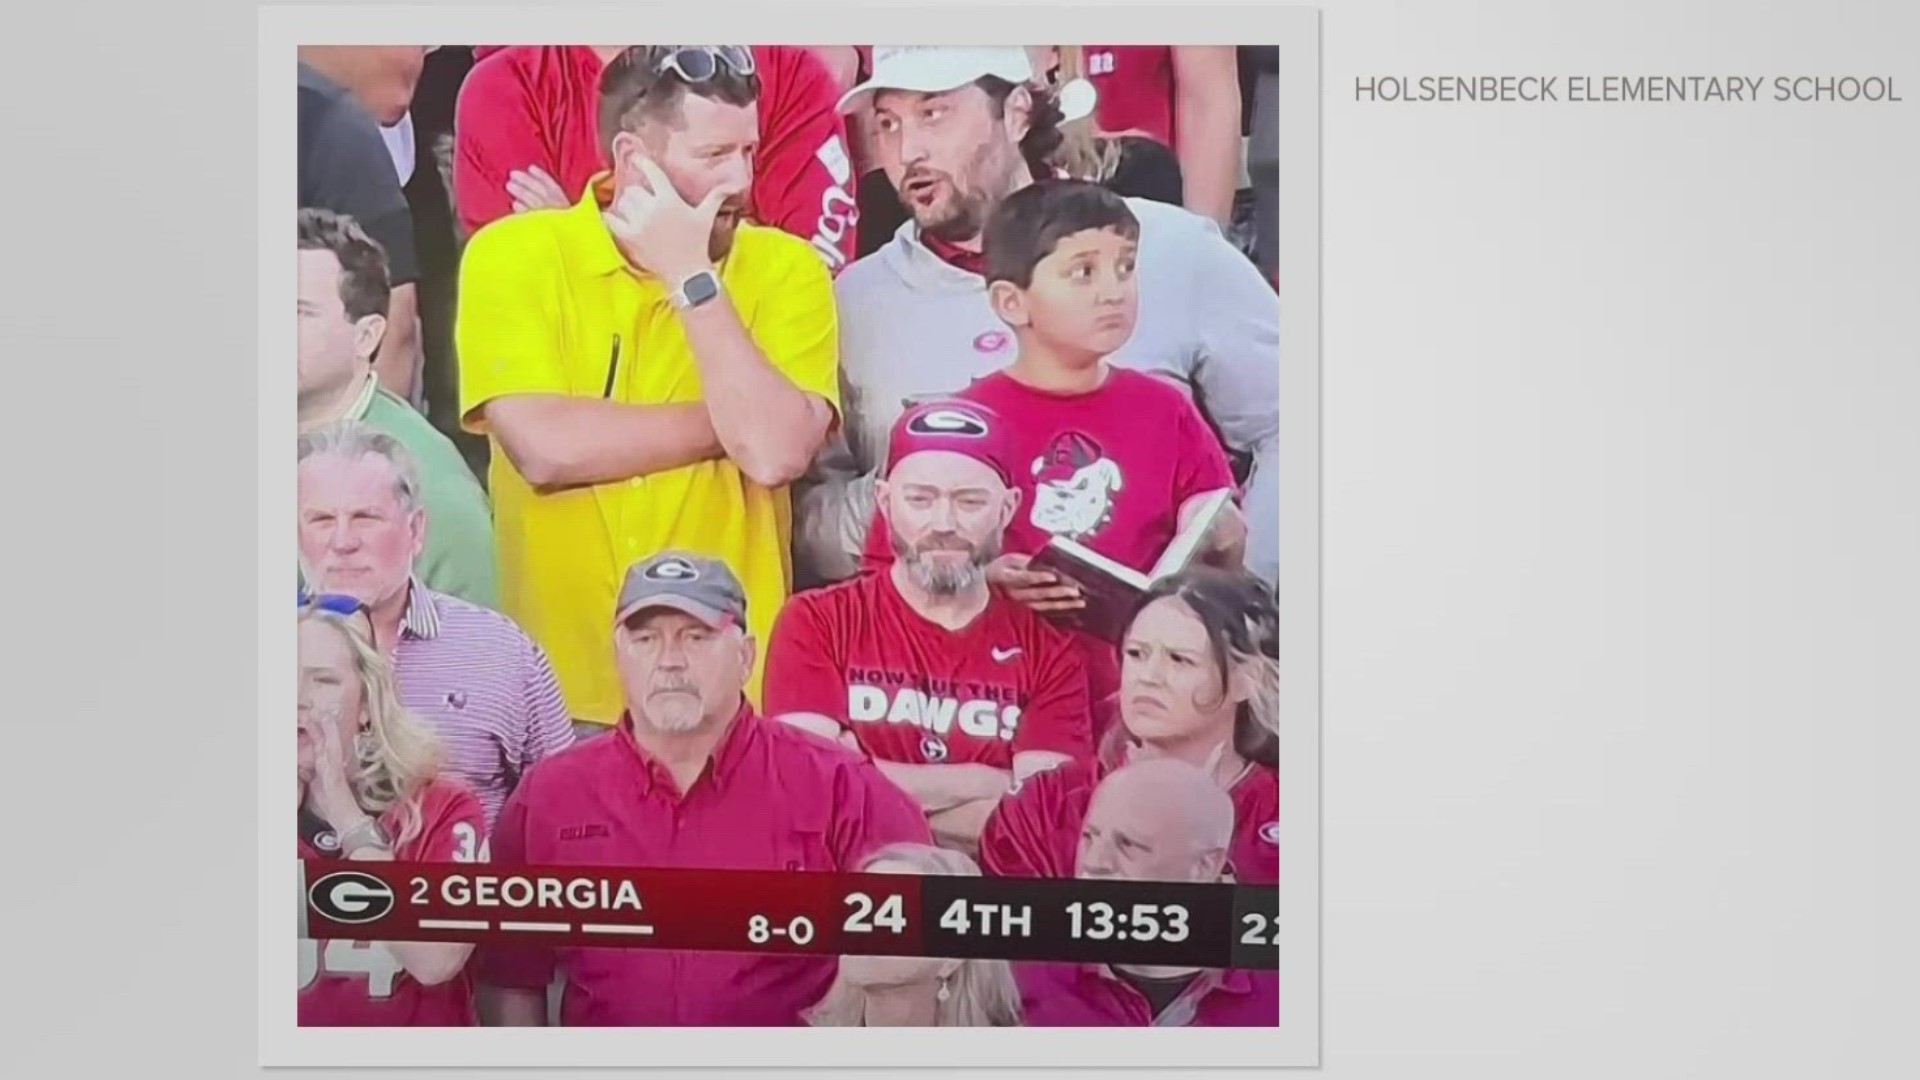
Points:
(359, 983)
(1135, 88)
(1035, 831)
(1109, 468)
(526, 105)
(912, 690)
(772, 797)
(1090, 995)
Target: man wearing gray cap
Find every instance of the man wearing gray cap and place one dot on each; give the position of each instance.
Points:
(957, 130)
(691, 777)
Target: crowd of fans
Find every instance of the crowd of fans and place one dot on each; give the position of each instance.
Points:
(787, 370)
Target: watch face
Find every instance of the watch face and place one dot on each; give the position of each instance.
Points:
(701, 288)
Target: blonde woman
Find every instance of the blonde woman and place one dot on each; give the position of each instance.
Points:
(369, 793)
(1199, 683)
(912, 991)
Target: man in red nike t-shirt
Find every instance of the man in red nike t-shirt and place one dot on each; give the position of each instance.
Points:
(955, 691)
(526, 137)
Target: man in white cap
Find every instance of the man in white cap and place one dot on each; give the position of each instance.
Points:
(957, 130)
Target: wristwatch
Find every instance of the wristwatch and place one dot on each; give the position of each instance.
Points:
(696, 290)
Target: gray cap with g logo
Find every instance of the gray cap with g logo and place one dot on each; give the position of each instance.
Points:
(703, 588)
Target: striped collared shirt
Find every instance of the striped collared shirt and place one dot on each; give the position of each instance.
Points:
(484, 686)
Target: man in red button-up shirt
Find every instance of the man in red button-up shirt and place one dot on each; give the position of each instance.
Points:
(692, 777)
(1158, 820)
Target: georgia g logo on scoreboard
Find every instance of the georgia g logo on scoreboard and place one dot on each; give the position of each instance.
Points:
(351, 897)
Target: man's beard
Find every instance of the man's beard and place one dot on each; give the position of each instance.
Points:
(964, 215)
(945, 578)
(685, 711)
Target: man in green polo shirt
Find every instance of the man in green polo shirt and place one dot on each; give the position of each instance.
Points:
(343, 304)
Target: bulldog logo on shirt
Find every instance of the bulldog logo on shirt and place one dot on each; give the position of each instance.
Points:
(1074, 487)
(934, 749)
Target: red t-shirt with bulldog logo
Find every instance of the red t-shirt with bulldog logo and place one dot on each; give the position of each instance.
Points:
(1109, 468)
(913, 691)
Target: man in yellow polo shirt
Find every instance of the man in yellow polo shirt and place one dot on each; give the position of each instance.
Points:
(651, 370)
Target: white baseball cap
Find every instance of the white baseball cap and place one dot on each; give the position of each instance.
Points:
(934, 69)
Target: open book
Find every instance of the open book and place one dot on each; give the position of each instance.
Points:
(1112, 589)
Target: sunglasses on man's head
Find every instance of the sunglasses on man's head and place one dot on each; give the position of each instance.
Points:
(698, 63)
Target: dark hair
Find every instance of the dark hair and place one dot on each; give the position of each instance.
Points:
(1241, 615)
(1044, 137)
(1031, 222)
(633, 89)
(364, 289)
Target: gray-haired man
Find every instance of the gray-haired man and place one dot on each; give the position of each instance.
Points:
(343, 303)
(487, 689)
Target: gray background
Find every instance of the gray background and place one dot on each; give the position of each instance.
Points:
(1620, 528)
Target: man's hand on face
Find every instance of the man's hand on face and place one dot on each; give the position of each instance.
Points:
(532, 189)
(657, 230)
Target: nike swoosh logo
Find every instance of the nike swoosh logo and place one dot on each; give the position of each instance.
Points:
(1001, 656)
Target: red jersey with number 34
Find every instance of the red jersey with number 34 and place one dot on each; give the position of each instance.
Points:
(360, 983)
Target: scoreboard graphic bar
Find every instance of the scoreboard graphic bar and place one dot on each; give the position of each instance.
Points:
(1068, 920)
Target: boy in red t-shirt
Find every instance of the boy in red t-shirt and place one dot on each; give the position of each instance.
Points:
(1113, 458)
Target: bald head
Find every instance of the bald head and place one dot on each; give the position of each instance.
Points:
(1157, 820)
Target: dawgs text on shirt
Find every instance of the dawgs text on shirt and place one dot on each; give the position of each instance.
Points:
(360, 983)
(913, 691)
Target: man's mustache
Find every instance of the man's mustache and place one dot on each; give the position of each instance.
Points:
(947, 542)
(913, 176)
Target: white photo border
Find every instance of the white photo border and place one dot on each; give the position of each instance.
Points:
(1296, 1042)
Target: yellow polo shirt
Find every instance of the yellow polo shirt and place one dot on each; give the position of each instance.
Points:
(543, 298)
